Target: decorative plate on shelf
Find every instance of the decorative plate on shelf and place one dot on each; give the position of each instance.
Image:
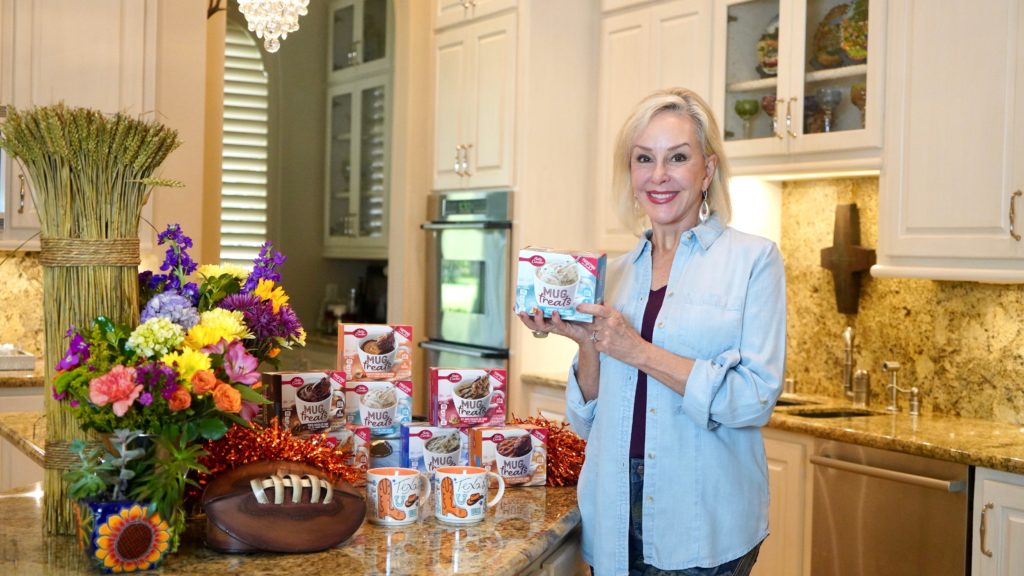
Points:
(768, 50)
(826, 47)
(854, 32)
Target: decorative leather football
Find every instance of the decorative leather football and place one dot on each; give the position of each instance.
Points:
(280, 507)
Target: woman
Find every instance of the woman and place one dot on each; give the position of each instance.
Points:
(681, 366)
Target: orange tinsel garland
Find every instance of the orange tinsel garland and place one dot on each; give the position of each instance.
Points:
(565, 450)
(244, 445)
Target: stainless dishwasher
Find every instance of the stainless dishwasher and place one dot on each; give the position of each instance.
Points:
(881, 513)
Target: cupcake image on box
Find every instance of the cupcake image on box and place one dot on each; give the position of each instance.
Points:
(427, 447)
(375, 351)
(467, 397)
(557, 281)
(379, 404)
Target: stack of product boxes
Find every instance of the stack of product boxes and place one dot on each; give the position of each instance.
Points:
(377, 362)
(310, 404)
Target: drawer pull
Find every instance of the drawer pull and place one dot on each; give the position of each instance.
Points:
(789, 117)
(21, 193)
(1013, 215)
(886, 474)
(983, 529)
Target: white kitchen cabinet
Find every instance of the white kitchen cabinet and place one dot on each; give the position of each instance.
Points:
(565, 560)
(954, 154)
(786, 549)
(643, 49)
(357, 179)
(545, 398)
(53, 51)
(474, 106)
(998, 521)
(359, 43)
(451, 12)
(817, 104)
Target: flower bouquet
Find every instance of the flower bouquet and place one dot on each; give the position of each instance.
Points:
(177, 380)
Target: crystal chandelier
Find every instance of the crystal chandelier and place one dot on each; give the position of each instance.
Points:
(272, 20)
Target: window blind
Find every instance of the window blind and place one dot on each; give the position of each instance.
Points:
(243, 210)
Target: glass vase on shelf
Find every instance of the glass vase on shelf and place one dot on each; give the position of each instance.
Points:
(747, 109)
(829, 99)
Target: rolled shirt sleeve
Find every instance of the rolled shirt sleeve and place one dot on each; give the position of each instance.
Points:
(579, 411)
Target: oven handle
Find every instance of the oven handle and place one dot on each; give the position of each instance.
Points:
(886, 474)
(464, 350)
(490, 225)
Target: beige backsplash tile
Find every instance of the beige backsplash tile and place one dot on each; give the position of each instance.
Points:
(960, 343)
(21, 302)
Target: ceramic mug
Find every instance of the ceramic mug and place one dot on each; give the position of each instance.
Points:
(460, 494)
(395, 495)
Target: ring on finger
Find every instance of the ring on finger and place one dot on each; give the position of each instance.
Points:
(540, 334)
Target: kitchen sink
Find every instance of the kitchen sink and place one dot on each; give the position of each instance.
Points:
(793, 402)
(831, 412)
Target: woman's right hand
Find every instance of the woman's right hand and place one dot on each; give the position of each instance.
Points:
(555, 325)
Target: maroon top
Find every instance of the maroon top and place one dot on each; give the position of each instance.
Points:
(636, 439)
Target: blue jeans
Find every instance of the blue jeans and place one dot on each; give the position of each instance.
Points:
(637, 567)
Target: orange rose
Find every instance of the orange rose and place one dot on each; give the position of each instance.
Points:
(203, 381)
(273, 352)
(227, 398)
(180, 400)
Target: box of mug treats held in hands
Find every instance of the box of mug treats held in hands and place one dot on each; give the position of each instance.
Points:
(558, 280)
(375, 351)
(467, 397)
(517, 452)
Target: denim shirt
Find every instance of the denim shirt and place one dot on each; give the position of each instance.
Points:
(705, 497)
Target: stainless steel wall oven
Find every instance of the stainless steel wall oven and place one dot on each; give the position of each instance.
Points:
(469, 262)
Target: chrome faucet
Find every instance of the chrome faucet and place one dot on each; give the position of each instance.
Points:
(848, 339)
(915, 400)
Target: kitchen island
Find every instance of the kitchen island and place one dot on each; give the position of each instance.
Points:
(519, 535)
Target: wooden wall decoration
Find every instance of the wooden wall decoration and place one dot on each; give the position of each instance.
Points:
(846, 259)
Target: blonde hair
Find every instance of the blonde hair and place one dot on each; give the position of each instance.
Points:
(685, 103)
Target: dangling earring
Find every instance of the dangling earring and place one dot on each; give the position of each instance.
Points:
(705, 210)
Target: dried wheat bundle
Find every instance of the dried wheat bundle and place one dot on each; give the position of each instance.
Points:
(91, 174)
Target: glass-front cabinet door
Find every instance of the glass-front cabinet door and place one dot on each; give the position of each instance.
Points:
(357, 176)
(799, 77)
(358, 37)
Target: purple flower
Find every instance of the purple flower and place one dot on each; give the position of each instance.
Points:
(157, 378)
(174, 307)
(290, 323)
(249, 410)
(264, 267)
(177, 263)
(74, 403)
(77, 352)
(145, 399)
(239, 365)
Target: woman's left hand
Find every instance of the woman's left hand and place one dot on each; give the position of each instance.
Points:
(612, 334)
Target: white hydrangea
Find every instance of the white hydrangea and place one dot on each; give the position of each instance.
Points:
(156, 337)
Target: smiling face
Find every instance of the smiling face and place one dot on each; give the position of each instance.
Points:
(668, 172)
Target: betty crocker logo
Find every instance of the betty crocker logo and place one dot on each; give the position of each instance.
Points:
(425, 434)
(497, 438)
(537, 260)
(455, 377)
(360, 333)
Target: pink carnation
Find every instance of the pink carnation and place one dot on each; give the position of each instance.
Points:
(116, 387)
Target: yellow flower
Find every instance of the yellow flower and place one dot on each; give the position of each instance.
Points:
(132, 539)
(266, 291)
(189, 362)
(214, 270)
(216, 324)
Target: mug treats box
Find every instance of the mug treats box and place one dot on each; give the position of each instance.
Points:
(558, 280)
(305, 403)
(425, 447)
(467, 397)
(353, 441)
(518, 453)
(375, 351)
(381, 405)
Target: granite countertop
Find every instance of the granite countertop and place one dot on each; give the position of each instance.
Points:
(526, 525)
(523, 527)
(19, 379)
(995, 445)
(26, 431)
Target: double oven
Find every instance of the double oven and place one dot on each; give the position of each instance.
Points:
(468, 279)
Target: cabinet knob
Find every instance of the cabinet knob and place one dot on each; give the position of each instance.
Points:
(983, 529)
(1013, 215)
(789, 117)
